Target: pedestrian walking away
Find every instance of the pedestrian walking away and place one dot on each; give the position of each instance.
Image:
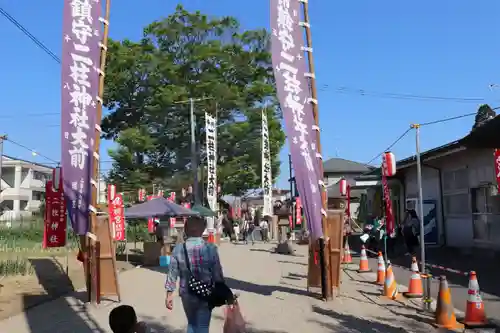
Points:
(264, 230)
(196, 260)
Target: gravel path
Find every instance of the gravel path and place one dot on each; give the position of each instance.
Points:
(273, 297)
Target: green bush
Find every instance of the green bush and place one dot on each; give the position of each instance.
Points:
(30, 236)
(17, 266)
(120, 248)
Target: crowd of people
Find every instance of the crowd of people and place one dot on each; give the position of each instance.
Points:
(244, 229)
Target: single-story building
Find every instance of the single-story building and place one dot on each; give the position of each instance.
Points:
(459, 187)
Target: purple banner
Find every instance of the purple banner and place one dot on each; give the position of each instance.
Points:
(80, 83)
(293, 92)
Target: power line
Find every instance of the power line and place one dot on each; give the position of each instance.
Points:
(38, 114)
(389, 147)
(448, 119)
(453, 118)
(32, 151)
(392, 95)
(442, 120)
(25, 31)
(341, 90)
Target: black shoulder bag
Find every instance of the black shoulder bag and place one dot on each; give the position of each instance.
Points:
(215, 294)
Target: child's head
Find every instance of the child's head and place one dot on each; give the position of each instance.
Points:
(123, 319)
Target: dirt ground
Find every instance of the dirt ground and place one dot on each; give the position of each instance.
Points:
(49, 281)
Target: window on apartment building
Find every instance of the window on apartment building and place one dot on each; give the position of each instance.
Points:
(41, 176)
(486, 214)
(456, 192)
(37, 195)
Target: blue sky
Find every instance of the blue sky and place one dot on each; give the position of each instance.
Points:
(385, 49)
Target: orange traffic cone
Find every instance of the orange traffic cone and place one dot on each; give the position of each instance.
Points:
(363, 262)
(390, 286)
(474, 310)
(380, 270)
(445, 313)
(347, 258)
(211, 237)
(415, 289)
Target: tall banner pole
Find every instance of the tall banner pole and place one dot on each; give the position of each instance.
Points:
(324, 249)
(97, 138)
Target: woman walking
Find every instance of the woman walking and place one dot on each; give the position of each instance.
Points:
(194, 258)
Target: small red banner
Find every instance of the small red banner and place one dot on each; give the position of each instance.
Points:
(497, 166)
(151, 221)
(117, 217)
(54, 234)
(298, 211)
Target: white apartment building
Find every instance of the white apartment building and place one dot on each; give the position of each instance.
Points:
(22, 187)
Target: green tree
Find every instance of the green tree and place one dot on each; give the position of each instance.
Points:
(484, 113)
(188, 55)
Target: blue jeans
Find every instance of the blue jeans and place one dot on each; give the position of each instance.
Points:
(198, 314)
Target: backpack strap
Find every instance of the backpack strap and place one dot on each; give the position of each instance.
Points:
(186, 256)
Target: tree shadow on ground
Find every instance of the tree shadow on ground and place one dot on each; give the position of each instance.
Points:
(250, 328)
(351, 324)
(157, 327)
(262, 250)
(264, 290)
(56, 283)
(134, 259)
(292, 262)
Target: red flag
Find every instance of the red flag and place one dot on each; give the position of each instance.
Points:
(55, 225)
(151, 221)
(348, 208)
(188, 206)
(142, 194)
(497, 166)
(172, 219)
(117, 218)
(298, 211)
(389, 219)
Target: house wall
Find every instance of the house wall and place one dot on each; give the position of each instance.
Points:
(430, 191)
(460, 172)
(334, 178)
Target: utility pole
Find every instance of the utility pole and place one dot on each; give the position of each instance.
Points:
(326, 282)
(421, 210)
(194, 150)
(2, 139)
(194, 155)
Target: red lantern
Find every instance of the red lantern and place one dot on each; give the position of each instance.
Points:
(343, 187)
(388, 164)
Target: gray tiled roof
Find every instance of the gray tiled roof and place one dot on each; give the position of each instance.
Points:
(340, 165)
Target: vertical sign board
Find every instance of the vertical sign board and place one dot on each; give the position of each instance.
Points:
(211, 148)
(117, 217)
(55, 226)
(79, 98)
(266, 168)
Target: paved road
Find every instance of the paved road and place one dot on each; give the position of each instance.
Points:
(272, 294)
